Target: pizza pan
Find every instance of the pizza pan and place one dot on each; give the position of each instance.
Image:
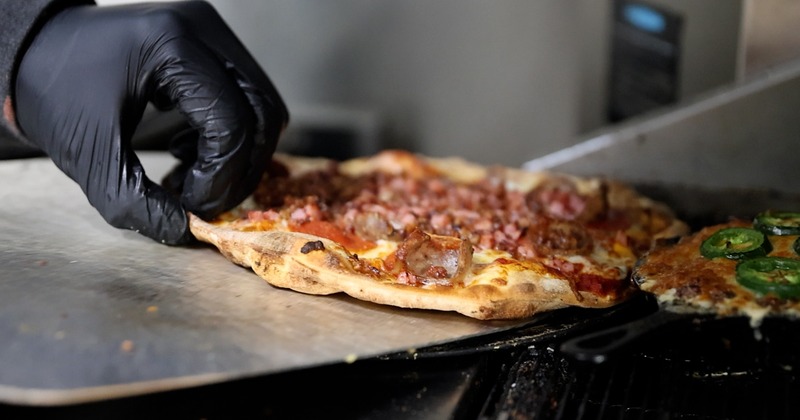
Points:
(601, 345)
(597, 346)
(699, 207)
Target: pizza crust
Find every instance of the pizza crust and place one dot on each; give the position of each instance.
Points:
(276, 257)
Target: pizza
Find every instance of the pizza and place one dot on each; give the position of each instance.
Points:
(411, 231)
(739, 268)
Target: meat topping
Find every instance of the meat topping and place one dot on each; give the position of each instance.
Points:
(553, 218)
(438, 259)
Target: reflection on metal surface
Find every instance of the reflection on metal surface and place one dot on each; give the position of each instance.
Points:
(743, 137)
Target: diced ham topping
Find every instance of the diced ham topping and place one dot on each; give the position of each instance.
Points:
(260, 216)
(552, 219)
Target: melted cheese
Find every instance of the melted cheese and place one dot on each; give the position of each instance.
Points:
(683, 281)
(487, 256)
(382, 250)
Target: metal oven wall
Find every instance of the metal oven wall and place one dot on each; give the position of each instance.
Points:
(742, 137)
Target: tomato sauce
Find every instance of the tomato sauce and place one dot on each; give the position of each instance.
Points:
(328, 230)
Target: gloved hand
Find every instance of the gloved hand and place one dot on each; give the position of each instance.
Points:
(82, 88)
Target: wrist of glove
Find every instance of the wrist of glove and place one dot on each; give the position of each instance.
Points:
(83, 85)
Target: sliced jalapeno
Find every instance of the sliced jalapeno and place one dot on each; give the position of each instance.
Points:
(770, 275)
(736, 243)
(778, 223)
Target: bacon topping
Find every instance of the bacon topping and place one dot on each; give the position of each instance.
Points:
(559, 237)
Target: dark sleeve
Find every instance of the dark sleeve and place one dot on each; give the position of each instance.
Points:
(19, 21)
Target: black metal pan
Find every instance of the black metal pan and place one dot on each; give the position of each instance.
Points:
(598, 346)
(757, 260)
(699, 207)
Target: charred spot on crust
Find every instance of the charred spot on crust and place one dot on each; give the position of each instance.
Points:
(312, 246)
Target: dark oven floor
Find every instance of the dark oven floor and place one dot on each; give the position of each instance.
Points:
(690, 369)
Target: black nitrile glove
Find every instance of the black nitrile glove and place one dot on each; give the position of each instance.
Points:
(83, 85)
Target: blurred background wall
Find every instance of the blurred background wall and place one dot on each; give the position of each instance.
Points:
(493, 81)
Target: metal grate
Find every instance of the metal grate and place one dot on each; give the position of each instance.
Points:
(701, 369)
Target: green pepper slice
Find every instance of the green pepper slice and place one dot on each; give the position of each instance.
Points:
(796, 246)
(775, 275)
(736, 243)
(778, 223)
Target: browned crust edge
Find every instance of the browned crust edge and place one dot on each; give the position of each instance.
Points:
(275, 257)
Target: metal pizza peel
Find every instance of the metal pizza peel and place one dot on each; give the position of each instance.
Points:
(89, 312)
